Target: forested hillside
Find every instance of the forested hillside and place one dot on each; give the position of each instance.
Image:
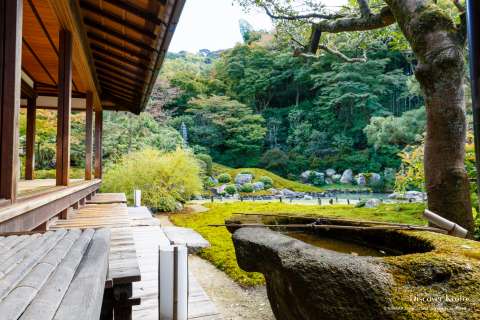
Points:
(259, 105)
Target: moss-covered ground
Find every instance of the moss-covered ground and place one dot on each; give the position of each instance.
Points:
(222, 253)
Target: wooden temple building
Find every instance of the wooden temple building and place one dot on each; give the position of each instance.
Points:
(59, 256)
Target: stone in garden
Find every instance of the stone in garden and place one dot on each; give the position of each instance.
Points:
(440, 280)
(330, 172)
(416, 196)
(372, 203)
(307, 197)
(347, 177)
(328, 180)
(305, 175)
(213, 180)
(243, 178)
(375, 179)
(361, 180)
(221, 189)
(336, 178)
(257, 186)
(288, 193)
(395, 195)
(273, 191)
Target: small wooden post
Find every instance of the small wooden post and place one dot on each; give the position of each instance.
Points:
(88, 136)
(30, 139)
(64, 107)
(11, 17)
(98, 143)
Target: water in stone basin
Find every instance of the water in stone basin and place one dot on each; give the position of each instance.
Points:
(337, 245)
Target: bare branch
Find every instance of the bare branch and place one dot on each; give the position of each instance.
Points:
(373, 21)
(302, 16)
(334, 52)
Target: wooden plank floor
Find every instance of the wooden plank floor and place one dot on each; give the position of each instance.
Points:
(107, 198)
(147, 241)
(56, 274)
(32, 187)
(113, 215)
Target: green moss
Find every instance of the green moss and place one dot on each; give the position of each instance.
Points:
(222, 253)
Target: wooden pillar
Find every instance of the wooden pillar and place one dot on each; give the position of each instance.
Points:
(473, 28)
(11, 16)
(88, 136)
(64, 107)
(98, 143)
(30, 139)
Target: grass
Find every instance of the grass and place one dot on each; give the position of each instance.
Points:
(346, 187)
(75, 173)
(278, 182)
(222, 253)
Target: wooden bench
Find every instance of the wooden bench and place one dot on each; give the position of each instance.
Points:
(55, 275)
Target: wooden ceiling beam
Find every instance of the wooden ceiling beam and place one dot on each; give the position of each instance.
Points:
(103, 67)
(127, 80)
(139, 12)
(135, 87)
(101, 40)
(116, 92)
(116, 18)
(119, 57)
(119, 66)
(125, 89)
(114, 33)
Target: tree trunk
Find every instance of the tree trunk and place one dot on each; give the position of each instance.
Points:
(439, 46)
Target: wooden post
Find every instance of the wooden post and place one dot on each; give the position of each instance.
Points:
(64, 107)
(30, 139)
(473, 28)
(98, 143)
(88, 136)
(11, 16)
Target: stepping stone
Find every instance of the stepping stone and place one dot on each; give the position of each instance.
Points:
(185, 236)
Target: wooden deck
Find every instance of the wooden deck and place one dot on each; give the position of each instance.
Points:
(27, 188)
(136, 236)
(108, 198)
(55, 275)
(147, 241)
(42, 202)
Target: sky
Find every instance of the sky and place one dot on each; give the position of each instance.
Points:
(213, 24)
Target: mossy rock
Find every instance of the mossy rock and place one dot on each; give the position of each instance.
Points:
(430, 275)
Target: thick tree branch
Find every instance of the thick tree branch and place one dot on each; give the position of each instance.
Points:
(373, 21)
(459, 6)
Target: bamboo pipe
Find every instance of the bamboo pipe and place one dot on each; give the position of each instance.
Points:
(450, 227)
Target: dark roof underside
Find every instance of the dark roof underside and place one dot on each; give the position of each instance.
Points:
(128, 41)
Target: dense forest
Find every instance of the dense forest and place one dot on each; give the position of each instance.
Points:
(259, 105)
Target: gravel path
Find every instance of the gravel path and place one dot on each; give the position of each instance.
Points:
(233, 301)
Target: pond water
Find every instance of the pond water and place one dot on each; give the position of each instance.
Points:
(337, 245)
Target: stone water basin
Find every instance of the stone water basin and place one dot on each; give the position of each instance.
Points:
(366, 274)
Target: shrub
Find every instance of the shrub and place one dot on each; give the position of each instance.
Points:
(247, 188)
(207, 163)
(164, 178)
(267, 181)
(224, 178)
(231, 189)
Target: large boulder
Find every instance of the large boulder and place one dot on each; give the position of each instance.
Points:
(288, 193)
(330, 172)
(415, 196)
(347, 177)
(305, 175)
(336, 178)
(243, 178)
(374, 180)
(372, 203)
(361, 179)
(439, 281)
